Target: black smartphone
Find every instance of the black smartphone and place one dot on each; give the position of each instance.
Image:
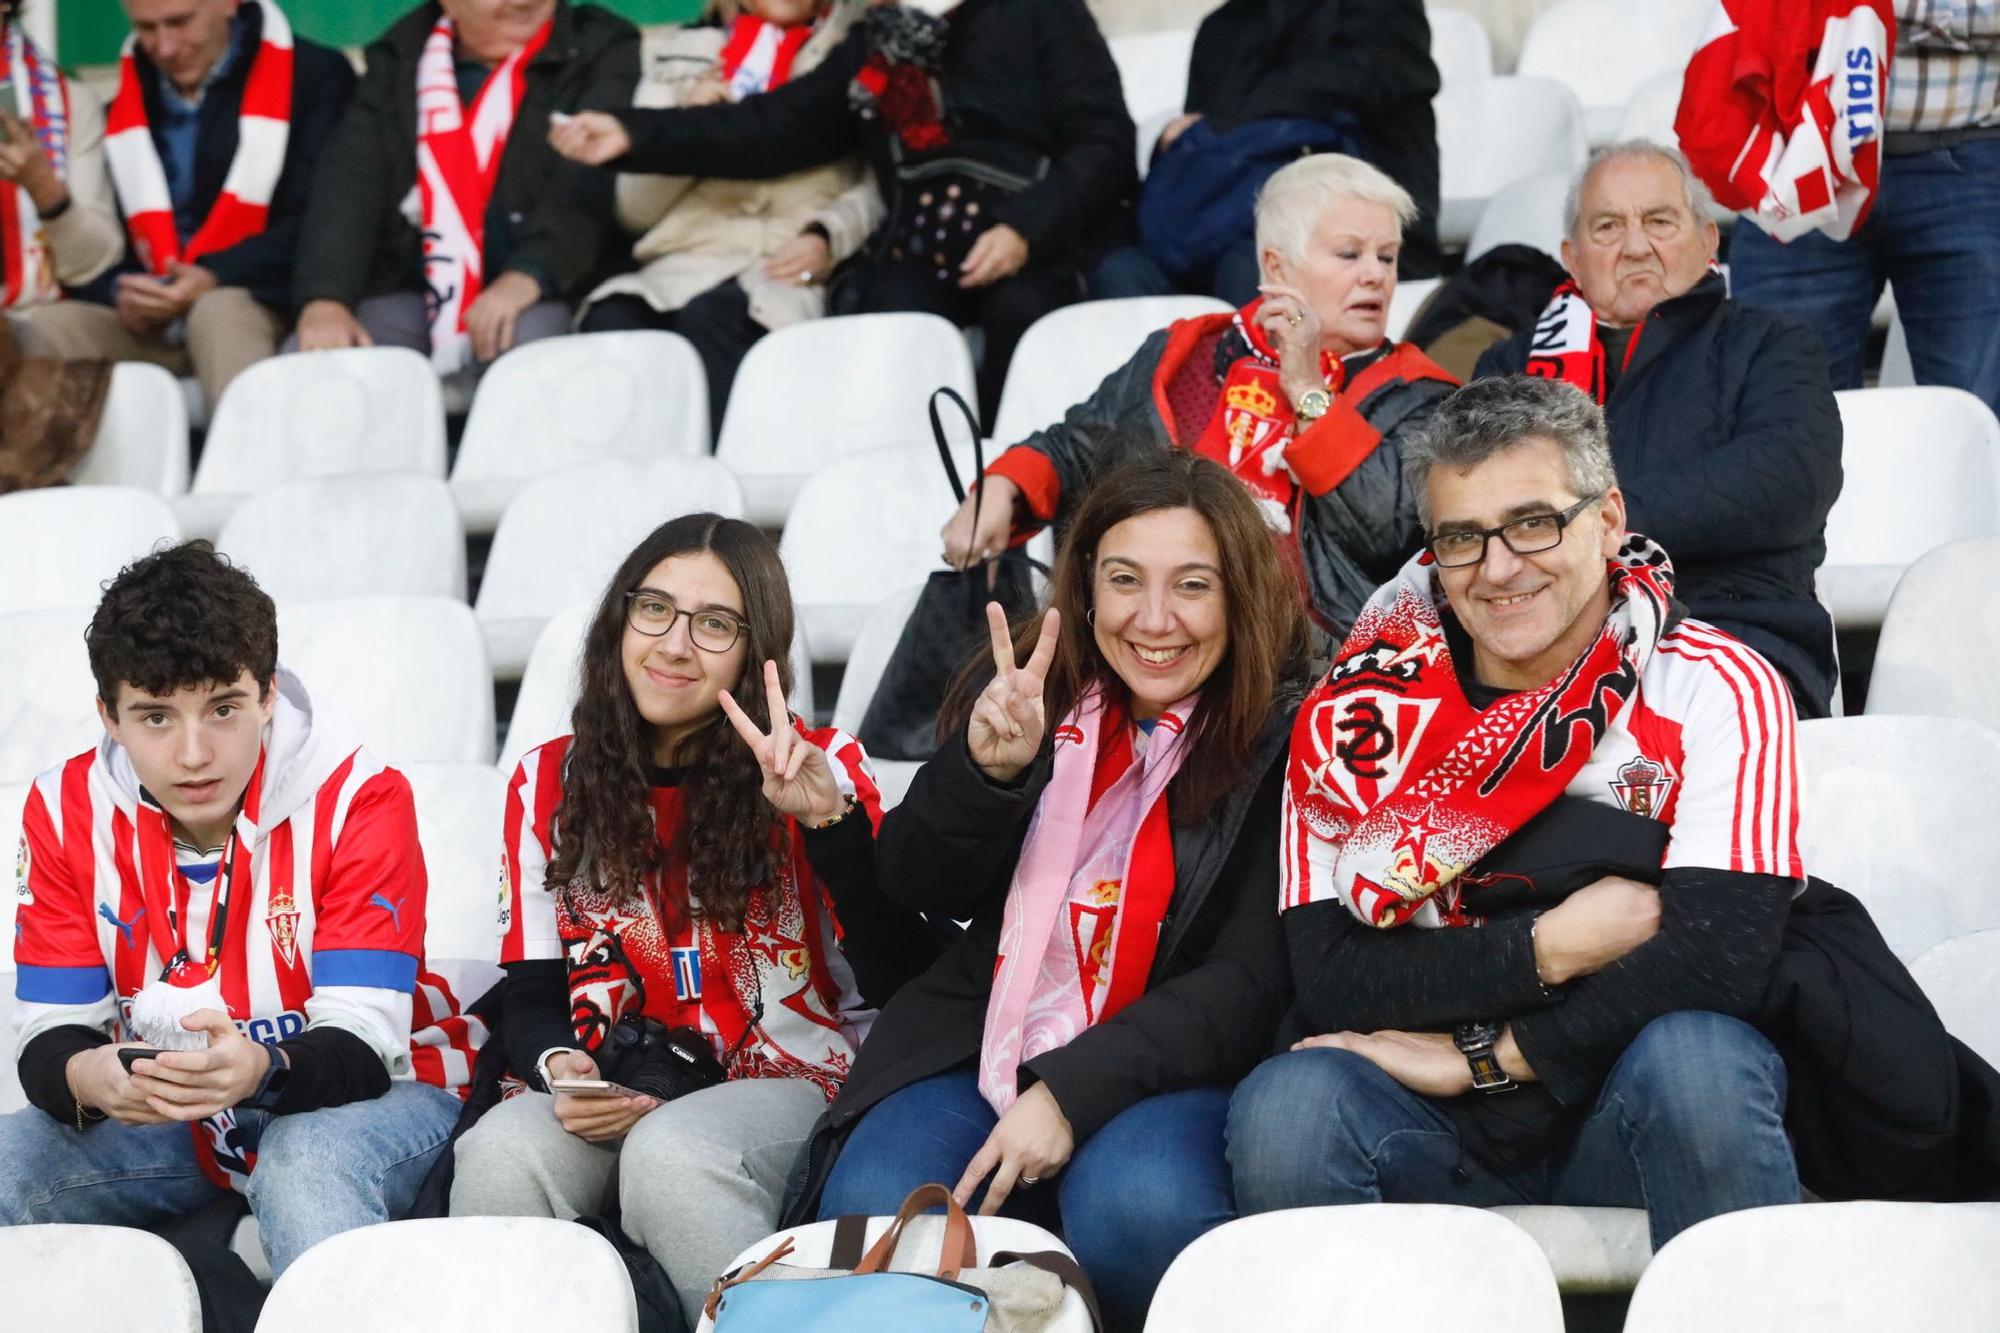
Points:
(128, 1054)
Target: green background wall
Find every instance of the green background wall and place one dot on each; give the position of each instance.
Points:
(88, 32)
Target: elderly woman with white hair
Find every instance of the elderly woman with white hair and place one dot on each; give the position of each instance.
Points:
(1300, 394)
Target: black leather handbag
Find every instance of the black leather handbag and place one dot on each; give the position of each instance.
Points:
(947, 625)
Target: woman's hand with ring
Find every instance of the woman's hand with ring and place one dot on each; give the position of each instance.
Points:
(1292, 326)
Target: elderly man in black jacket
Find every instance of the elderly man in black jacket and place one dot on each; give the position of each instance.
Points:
(218, 300)
(384, 260)
(1723, 422)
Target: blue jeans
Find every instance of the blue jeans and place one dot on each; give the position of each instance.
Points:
(1934, 233)
(1691, 1123)
(318, 1173)
(1133, 1195)
(1131, 271)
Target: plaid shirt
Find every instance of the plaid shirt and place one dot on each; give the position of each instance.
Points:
(1946, 73)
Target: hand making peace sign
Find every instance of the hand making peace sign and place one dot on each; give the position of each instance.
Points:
(798, 780)
(1007, 719)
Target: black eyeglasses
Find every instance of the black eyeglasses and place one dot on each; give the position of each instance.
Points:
(1522, 536)
(651, 613)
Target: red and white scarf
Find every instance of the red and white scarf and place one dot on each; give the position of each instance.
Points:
(1091, 888)
(41, 100)
(1409, 783)
(458, 161)
(263, 129)
(1567, 347)
(758, 54)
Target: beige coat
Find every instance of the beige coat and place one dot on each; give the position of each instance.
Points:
(88, 238)
(697, 234)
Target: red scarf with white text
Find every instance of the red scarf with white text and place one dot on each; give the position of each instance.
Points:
(41, 100)
(758, 54)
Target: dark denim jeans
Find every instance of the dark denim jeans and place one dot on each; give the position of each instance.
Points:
(1134, 1193)
(1691, 1123)
(1130, 271)
(1934, 233)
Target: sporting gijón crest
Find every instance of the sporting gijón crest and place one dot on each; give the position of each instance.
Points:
(1643, 785)
(1363, 739)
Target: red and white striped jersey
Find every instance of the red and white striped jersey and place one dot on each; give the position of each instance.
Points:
(326, 911)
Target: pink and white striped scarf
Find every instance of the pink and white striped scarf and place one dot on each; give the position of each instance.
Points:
(41, 99)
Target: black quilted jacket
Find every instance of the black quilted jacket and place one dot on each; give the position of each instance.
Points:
(1727, 442)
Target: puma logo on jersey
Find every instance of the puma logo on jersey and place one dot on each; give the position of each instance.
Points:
(124, 927)
(394, 909)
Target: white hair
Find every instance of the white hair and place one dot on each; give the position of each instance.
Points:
(1292, 201)
(1700, 203)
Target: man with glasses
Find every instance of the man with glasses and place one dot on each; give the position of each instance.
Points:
(1722, 422)
(1526, 733)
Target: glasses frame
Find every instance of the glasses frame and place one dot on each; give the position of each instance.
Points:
(742, 625)
(1563, 518)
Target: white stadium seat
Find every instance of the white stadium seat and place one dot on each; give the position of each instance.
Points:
(1651, 111)
(1066, 354)
(1922, 467)
(534, 1274)
(373, 532)
(1321, 1268)
(1588, 1249)
(1460, 47)
(1895, 812)
(590, 396)
(408, 672)
(1827, 1268)
(1605, 50)
(1495, 132)
(1527, 212)
(1941, 636)
(1961, 977)
(873, 647)
(458, 822)
(549, 685)
(48, 709)
(566, 532)
(1407, 300)
(813, 392)
(91, 1279)
(59, 546)
(13, 796)
(1153, 70)
(317, 414)
(142, 439)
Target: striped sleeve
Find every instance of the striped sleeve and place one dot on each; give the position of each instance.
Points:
(851, 771)
(60, 976)
(527, 908)
(1738, 806)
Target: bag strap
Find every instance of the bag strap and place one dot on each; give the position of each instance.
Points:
(944, 444)
(958, 1252)
(850, 1238)
(1065, 1269)
(742, 1275)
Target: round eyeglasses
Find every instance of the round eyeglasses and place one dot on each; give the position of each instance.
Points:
(1523, 536)
(652, 613)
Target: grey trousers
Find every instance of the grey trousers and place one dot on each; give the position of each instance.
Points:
(399, 320)
(699, 1180)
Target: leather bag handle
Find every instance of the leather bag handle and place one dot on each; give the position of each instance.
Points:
(959, 1251)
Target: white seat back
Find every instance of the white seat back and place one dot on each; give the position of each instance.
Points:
(1894, 809)
(1495, 132)
(373, 532)
(1941, 636)
(1066, 354)
(1652, 109)
(1153, 70)
(873, 646)
(1826, 1268)
(48, 710)
(92, 1279)
(813, 392)
(1406, 301)
(1605, 50)
(142, 439)
(459, 809)
(535, 1273)
(566, 532)
(561, 401)
(1527, 212)
(1961, 978)
(317, 414)
(1922, 467)
(409, 672)
(1460, 46)
(1248, 1274)
(61, 545)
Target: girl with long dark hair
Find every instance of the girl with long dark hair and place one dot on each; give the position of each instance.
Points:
(688, 915)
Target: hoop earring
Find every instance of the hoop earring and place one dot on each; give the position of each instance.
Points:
(1090, 617)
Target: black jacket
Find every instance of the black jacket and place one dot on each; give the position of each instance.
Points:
(1018, 75)
(322, 83)
(548, 218)
(1262, 59)
(1218, 981)
(1727, 443)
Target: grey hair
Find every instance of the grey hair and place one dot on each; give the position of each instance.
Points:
(1700, 203)
(1489, 416)
(1291, 202)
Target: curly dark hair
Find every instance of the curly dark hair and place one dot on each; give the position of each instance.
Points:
(182, 616)
(729, 832)
(1268, 638)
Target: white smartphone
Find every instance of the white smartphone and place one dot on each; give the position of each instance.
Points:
(590, 1087)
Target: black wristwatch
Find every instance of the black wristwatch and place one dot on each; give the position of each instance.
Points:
(1475, 1041)
(272, 1087)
